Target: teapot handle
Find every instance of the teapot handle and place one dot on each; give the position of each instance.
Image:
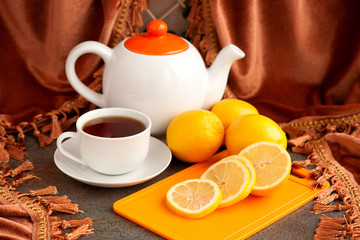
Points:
(86, 47)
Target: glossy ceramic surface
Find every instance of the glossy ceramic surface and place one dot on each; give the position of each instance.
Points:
(162, 86)
(158, 159)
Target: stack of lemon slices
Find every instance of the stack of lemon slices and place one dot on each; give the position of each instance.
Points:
(259, 169)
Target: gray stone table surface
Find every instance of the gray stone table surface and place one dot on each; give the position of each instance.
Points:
(96, 202)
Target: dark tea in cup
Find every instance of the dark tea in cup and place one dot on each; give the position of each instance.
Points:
(114, 127)
(111, 141)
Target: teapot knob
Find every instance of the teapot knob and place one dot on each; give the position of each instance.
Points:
(156, 41)
(157, 28)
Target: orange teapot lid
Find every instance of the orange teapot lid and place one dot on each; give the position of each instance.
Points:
(156, 41)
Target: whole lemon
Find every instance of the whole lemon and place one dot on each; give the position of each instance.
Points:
(228, 110)
(252, 128)
(195, 135)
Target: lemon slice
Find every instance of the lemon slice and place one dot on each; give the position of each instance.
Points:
(232, 177)
(194, 198)
(272, 165)
(251, 170)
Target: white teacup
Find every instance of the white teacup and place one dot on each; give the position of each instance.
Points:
(109, 155)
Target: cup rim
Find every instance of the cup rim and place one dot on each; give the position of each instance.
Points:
(80, 120)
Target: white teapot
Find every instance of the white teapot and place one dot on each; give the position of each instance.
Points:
(157, 73)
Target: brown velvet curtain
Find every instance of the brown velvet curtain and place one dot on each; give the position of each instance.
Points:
(302, 57)
(36, 37)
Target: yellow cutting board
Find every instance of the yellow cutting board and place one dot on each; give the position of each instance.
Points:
(239, 221)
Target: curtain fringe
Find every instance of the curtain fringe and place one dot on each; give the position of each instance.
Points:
(308, 135)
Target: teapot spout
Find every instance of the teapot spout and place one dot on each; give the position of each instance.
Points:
(218, 74)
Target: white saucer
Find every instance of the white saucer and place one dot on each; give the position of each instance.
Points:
(157, 160)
